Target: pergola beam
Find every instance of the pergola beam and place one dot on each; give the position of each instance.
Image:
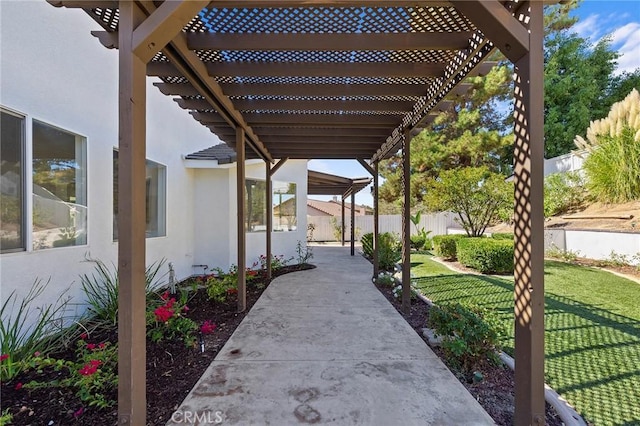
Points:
(330, 41)
(345, 132)
(283, 119)
(163, 25)
(319, 69)
(291, 141)
(337, 90)
(302, 105)
(498, 24)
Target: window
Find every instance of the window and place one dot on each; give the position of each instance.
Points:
(284, 206)
(255, 202)
(155, 200)
(12, 174)
(59, 188)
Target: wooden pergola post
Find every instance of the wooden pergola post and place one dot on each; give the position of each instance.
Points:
(529, 226)
(376, 223)
(353, 222)
(132, 401)
(406, 222)
(242, 252)
(269, 208)
(343, 220)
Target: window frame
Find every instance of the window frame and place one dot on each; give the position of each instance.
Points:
(25, 223)
(163, 198)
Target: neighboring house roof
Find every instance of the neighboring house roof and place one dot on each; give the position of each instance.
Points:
(221, 152)
(334, 208)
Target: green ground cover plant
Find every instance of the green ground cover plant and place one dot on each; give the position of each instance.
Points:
(592, 339)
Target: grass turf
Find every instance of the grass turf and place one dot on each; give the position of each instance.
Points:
(592, 339)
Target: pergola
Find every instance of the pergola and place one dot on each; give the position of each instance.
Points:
(325, 184)
(334, 79)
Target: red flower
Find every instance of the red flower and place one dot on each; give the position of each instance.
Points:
(91, 346)
(163, 313)
(83, 336)
(78, 413)
(207, 327)
(88, 369)
(232, 291)
(3, 357)
(95, 362)
(18, 386)
(185, 308)
(252, 273)
(102, 345)
(165, 295)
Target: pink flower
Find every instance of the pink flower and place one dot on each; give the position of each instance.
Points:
(102, 345)
(95, 362)
(88, 369)
(83, 336)
(207, 327)
(36, 353)
(170, 302)
(91, 346)
(78, 413)
(163, 313)
(185, 308)
(18, 386)
(165, 295)
(3, 357)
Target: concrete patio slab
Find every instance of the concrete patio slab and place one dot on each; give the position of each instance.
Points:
(324, 346)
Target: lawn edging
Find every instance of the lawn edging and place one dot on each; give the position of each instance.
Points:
(567, 413)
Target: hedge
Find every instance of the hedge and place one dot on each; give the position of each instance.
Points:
(445, 245)
(486, 255)
(502, 236)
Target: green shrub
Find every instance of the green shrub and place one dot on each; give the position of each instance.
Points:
(445, 245)
(563, 192)
(486, 255)
(471, 334)
(502, 236)
(101, 291)
(367, 244)
(390, 249)
(26, 329)
(418, 242)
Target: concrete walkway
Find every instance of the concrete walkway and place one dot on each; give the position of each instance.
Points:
(324, 346)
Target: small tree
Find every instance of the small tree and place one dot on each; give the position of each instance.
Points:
(475, 194)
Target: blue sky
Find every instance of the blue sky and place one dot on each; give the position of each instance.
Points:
(597, 19)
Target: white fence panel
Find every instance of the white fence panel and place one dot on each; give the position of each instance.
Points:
(324, 230)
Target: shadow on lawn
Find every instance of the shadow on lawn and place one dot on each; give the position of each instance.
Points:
(592, 354)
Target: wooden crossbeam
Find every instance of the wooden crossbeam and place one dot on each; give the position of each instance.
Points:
(320, 139)
(329, 41)
(498, 24)
(299, 119)
(163, 25)
(298, 105)
(325, 69)
(233, 89)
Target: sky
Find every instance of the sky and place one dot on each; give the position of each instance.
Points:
(597, 19)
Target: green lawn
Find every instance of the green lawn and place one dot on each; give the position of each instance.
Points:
(592, 340)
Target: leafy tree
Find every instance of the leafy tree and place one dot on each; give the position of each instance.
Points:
(577, 81)
(477, 195)
(472, 133)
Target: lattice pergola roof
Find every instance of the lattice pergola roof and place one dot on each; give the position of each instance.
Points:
(319, 183)
(314, 79)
